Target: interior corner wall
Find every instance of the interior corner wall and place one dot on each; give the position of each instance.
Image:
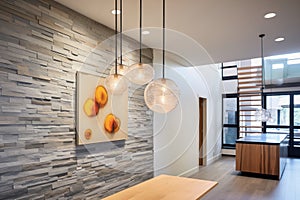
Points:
(176, 134)
(43, 44)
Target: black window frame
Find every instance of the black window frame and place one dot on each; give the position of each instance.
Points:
(224, 78)
(291, 126)
(225, 96)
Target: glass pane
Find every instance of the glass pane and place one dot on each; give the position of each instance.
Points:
(282, 69)
(278, 130)
(296, 137)
(230, 110)
(279, 106)
(229, 135)
(229, 72)
(297, 110)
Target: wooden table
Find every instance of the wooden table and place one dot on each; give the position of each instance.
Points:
(262, 154)
(166, 187)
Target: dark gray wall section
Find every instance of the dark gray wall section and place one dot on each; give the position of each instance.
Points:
(43, 44)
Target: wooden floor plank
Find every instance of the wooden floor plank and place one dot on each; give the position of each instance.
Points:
(234, 185)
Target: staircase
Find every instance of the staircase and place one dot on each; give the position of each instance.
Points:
(250, 94)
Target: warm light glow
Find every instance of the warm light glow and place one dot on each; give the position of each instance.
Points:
(270, 15)
(116, 84)
(279, 39)
(122, 69)
(161, 95)
(140, 73)
(163, 99)
(115, 12)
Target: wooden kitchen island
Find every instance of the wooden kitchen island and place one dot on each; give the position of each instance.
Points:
(262, 154)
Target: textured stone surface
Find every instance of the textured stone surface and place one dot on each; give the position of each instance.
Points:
(42, 46)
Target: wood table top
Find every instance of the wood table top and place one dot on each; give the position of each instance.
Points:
(165, 187)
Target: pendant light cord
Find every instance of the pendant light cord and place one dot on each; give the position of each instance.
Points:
(262, 58)
(121, 31)
(116, 38)
(141, 12)
(164, 35)
(262, 65)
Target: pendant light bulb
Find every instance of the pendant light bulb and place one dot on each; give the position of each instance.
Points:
(140, 73)
(162, 95)
(116, 83)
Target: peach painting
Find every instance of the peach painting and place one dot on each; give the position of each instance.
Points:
(101, 116)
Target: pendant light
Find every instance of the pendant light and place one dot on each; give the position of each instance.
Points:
(122, 69)
(140, 73)
(161, 95)
(262, 114)
(116, 83)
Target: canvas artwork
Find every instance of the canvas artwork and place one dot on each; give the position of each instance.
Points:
(101, 116)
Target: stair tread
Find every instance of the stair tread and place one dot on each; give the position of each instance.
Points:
(249, 67)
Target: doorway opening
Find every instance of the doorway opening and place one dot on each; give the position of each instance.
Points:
(202, 130)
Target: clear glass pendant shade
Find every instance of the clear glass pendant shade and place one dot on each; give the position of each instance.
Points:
(162, 95)
(140, 73)
(262, 115)
(116, 83)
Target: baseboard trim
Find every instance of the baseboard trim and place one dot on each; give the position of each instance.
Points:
(190, 172)
(230, 152)
(213, 159)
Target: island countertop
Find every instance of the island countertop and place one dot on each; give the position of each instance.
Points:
(268, 138)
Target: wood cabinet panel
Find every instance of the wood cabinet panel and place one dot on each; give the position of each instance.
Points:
(258, 158)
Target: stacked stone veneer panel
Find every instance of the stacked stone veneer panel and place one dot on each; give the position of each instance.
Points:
(43, 44)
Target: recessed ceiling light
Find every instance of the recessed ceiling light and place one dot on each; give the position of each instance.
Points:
(115, 12)
(270, 15)
(279, 39)
(146, 32)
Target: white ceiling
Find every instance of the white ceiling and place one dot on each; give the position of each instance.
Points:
(227, 29)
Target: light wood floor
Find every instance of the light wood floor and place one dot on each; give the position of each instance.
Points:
(234, 186)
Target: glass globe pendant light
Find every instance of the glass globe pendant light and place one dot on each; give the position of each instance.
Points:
(262, 114)
(162, 95)
(140, 73)
(116, 83)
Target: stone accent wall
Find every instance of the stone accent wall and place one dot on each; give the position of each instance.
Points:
(43, 44)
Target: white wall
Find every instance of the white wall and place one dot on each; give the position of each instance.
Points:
(176, 134)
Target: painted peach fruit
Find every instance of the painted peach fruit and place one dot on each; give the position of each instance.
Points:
(111, 123)
(90, 107)
(101, 95)
(88, 134)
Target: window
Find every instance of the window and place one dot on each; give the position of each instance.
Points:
(229, 72)
(296, 132)
(230, 110)
(297, 110)
(230, 120)
(279, 106)
(285, 111)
